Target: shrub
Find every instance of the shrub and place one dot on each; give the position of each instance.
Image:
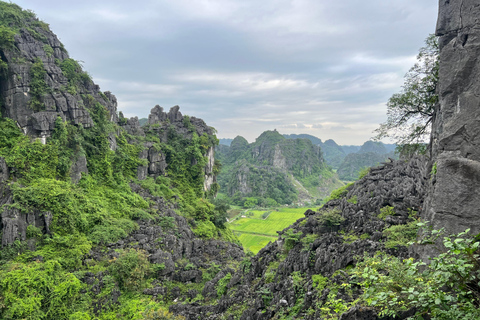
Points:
(291, 238)
(319, 282)
(130, 269)
(206, 230)
(385, 212)
(331, 218)
(38, 86)
(222, 284)
(401, 235)
(447, 288)
(38, 291)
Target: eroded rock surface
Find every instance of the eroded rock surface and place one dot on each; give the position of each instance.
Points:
(57, 100)
(454, 194)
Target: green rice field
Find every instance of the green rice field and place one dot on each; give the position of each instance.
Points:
(255, 232)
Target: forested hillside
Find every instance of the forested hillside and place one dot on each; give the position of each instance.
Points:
(274, 170)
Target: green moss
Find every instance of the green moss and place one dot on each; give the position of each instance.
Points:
(319, 282)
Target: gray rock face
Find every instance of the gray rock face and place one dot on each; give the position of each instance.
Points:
(14, 223)
(454, 195)
(160, 123)
(78, 167)
(57, 100)
(210, 177)
(4, 172)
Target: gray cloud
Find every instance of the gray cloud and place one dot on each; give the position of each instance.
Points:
(246, 66)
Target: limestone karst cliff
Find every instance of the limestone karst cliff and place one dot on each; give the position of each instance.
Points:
(454, 194)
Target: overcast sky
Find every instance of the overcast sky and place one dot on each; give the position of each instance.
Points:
(320, 67)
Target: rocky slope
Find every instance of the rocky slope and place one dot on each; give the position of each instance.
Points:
(279, 282)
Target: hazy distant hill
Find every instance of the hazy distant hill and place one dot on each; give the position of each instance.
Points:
(351, 149)
(369, 154)
(226, 142)
(332, 152)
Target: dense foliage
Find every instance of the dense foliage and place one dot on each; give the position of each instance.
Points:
(447, 288)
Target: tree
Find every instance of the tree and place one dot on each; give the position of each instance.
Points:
(410, 112)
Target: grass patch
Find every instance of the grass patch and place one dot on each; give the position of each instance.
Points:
(254, 232)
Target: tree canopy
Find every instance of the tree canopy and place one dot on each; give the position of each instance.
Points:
(410, 112)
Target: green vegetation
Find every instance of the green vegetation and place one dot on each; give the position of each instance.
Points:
(72, 70)
(273, 169)
(401, 235)
(447, 288)
(291, 238)
(222, 284)
(331, 218)
(254, 232)
(319, 282)
(38, 86)
(385, 212)
(13, 18)
(410, 112)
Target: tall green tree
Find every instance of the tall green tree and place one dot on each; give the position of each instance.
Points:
(410, 112)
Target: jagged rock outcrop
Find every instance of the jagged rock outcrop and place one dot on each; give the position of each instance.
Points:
(4, 172)
(58, 95)
(169, 240)
(14, 223)
(163, 124)
(454, 194)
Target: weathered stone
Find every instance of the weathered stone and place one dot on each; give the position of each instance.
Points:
(78, 167)
(16, 89)
(4, 172)
(454, 194)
